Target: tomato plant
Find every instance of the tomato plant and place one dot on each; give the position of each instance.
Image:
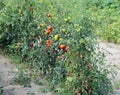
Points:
(57, 43)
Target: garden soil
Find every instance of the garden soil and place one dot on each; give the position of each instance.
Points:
(8, 72)
(112, 53)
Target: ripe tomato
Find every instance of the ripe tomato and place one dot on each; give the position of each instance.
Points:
(64, 50)
(48, 43)
(62, 46)
(32, 44)
(48, 31)
(50, 28)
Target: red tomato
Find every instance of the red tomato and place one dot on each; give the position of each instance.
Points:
(48, 31)
(64, 50)
(32, 44)
(62, 46)
(48, 43)
(50, 28)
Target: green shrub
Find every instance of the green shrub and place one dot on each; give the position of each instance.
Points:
(106, 12)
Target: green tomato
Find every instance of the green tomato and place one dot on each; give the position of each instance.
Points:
(56, 37)
(64, 30)
(66, 20)
(33, 76)
(61, 40)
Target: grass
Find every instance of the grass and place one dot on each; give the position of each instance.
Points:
(43, 90)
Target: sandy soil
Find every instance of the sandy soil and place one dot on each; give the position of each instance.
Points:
(8, 72)
(112, 52)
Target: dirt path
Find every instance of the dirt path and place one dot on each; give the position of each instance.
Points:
(113, 57)
(7, 74)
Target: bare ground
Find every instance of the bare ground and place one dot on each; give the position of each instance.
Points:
(112, 52)
(8, 72)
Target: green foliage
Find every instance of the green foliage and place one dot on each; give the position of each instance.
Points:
(106, 12)
(23, 79)
(1, 91)
(117, 84)
(43, 90)
(73, 63)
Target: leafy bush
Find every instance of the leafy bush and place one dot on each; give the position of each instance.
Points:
(54, 42)
(106, 12)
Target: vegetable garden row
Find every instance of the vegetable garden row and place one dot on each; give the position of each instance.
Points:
(58, 40)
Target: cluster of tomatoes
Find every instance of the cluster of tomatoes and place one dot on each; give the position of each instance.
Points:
(49, 42)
